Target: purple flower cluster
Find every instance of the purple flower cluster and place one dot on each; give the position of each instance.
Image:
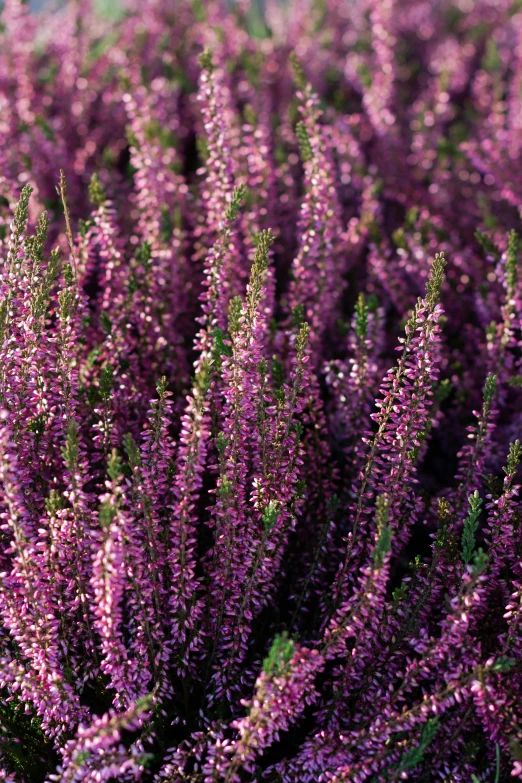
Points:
(260, 392)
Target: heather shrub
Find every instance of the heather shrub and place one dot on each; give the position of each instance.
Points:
(260, 392)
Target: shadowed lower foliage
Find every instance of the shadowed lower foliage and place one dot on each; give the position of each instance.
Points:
(260, 392)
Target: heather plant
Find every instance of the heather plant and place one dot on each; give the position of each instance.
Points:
(260, 392)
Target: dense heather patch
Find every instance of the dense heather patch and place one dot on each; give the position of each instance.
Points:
(260, 392)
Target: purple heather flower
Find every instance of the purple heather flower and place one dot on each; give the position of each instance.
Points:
(217, 230)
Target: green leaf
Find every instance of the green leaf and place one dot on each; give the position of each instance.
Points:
(280, 654)
(470, 527)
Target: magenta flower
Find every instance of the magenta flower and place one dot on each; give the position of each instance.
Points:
(260, 367)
